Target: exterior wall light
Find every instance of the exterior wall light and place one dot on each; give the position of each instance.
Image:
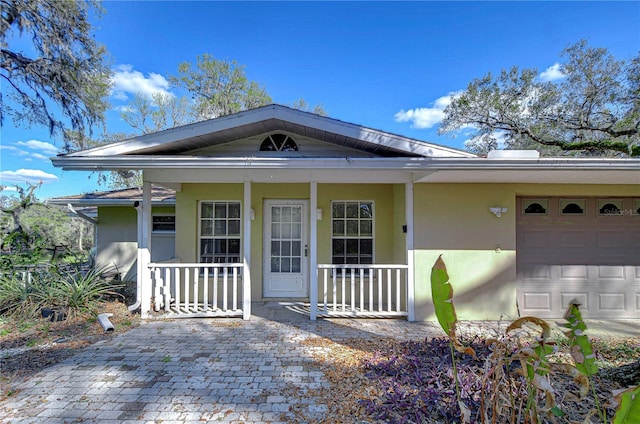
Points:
(498, 211)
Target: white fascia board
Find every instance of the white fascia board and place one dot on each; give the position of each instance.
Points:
(417, 164)
(107, 202)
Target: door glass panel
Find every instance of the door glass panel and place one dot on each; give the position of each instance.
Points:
(275, 231)
(286, 239)
(295, 265)
(338, 228)
(286, 214)
(296, 215)
(352, 228)
(286, 231)
(296, 231)
(338, 210)
(275, 214)
(285, 265)
(275, 264)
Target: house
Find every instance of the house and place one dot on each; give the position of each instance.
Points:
(279, 204)
(115, 218)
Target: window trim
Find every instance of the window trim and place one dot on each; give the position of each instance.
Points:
(200, 237)
(359, 237)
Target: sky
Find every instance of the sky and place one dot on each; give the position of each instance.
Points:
(391, 66)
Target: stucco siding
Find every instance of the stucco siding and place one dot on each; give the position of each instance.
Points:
(389, 218)
(479, 249)
(116, 240)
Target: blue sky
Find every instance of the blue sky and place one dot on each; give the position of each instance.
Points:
(387, 65)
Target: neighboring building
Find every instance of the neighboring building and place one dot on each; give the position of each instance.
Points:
(116, 226)
(279, 204)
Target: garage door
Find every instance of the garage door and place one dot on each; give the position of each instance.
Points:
(578, 248)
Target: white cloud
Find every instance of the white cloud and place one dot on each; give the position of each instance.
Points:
(22, 176)
(552, 73)
(426, 117)
(42, 146)
(127, 82)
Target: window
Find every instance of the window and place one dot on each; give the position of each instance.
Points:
(219, 232)
(572, 207)
(535, 207)
(278, 143)
(610, 207)
(163, 224)
(352, 232)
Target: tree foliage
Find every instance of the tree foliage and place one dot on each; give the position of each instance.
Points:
(219, 87)
(28, 224)
(594, 109)
(60, 80)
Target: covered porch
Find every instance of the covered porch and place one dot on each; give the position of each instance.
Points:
(187, 288)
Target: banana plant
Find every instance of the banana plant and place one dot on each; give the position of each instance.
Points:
(442, 297)
(629, 410)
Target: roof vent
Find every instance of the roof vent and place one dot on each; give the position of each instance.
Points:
(513, 154)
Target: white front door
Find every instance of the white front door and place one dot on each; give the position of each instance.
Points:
(285, 248)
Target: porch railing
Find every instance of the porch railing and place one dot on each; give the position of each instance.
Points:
(196, 289)
(362, 290)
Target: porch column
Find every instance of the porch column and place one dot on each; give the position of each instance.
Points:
(144, 251)
(313, 250)
(246, 243)
(410, 253)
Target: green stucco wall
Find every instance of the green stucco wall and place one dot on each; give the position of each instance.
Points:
(479, 249)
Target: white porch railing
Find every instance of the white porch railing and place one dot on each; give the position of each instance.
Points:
(196, 289)
(362, 290)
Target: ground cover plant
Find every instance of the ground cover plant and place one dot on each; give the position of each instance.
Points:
(519, 376)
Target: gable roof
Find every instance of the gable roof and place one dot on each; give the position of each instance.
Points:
(268, 119)
(124, 197)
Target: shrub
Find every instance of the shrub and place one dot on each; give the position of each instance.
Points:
(63, 289)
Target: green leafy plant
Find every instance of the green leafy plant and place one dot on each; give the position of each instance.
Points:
(76, 292)
(629, 407)
(442, 295)
(520, 371)
(581, 350)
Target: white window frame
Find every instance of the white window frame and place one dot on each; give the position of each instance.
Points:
(214, 236)
(359, 236)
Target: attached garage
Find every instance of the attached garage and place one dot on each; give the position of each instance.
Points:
(578, 248)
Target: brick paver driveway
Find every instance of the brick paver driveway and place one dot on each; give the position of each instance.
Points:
(194, 370)
(198, 370)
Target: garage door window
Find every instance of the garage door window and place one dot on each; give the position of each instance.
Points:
(572, 207)
(535, 206)
(609, 207)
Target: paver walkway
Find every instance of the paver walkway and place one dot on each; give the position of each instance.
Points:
(194, 370)
(198, 370)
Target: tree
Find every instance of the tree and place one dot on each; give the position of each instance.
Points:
(594, 109)
(302, 104)
(63, 85)
(160, 112)
(219, 87)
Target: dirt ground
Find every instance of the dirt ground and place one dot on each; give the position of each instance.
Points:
(27, 346)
